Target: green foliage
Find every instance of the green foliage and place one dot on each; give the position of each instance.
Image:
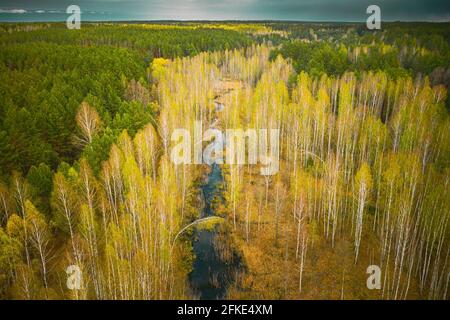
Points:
(40, 179)
(132, 116)
(44, 87)
(315, 58)
(421, 48)
(47, 71)
(359, 121)
(151, 41)
(98, 150)
(10, 250)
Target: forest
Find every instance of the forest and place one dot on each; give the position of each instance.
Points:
(87, 181)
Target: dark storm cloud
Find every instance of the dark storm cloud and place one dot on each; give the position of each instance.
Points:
(322, 10)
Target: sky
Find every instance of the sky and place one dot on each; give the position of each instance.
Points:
(298, 10)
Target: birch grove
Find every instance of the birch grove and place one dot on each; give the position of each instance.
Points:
(363, 180)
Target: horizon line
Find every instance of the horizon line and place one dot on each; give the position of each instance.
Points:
(228, 20)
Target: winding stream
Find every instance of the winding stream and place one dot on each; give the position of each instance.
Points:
(216, 263)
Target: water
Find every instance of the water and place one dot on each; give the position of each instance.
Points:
(216, 263)
(53, 16)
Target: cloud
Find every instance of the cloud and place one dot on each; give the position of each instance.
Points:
(21, 11)
(304, 10)
(13, 11)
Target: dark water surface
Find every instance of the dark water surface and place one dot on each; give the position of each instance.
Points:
(212, 274)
